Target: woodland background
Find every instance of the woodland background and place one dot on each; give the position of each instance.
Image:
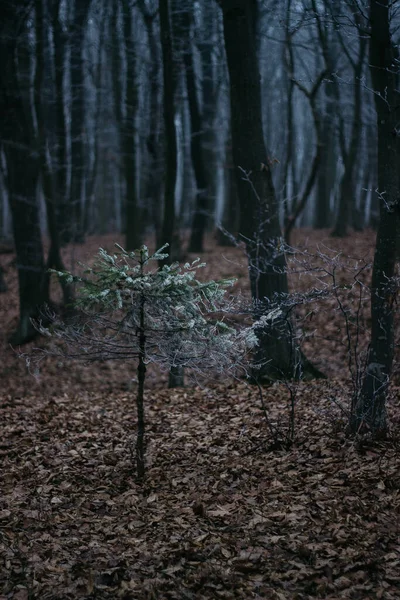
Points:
(262, 137)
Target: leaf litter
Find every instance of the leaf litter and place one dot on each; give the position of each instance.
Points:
(222, 514)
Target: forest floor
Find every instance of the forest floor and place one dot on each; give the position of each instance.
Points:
(227, 510)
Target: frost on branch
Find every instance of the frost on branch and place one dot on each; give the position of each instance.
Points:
(186, 321)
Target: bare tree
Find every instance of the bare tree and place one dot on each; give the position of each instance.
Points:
(18, 142)
(77, 38)
(169, 87)
(259, 220)
(370, 409)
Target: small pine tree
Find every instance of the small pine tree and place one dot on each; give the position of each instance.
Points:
(132, 309)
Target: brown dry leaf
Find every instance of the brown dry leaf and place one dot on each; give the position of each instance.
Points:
(21, 594)
(221, 511)
(222, 514)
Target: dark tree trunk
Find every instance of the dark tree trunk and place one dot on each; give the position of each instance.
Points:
(290, 156)
(176, 377)
(93, 153)
(259, 224)
(227, 233)
(327, 171)
(81, 11)
(133, 226)
(18, 141)
(209, 97)
(289, 164)
(117, 74)
(327, 175)
(153, 183)
(200, 217)
(299, 203)
(345, 199)
(64, 216)
(169, 81)
(347, 203)
(370, 407)
(141, 371)
(54, 259)
(328, 167)
(3, 285)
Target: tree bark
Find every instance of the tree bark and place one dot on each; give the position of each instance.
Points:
(54, 259)
(347, 204)
(259, 223)
(18, 141)
(200, 217)
(227, 233)
(64, 217)
(133, 227)
(370, 407)
(327, 171)
(3, 285)
(81, 11)
(154, 174)
(141, 370)
(169, 81)
(209, 100)
(300, 203)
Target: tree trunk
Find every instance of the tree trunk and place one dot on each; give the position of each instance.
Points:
(345, 199)
(299, 203)
(18, 140)
(227, 233)
(81, 11)
(259, 224)
(92, 153)
(326, 177)
(64, 217)
(54, 259)
(200, 217)
(347, 202)
(209, 96)
(141, 370)
(169, 81)
(176, 377)
(154, 174)
(133, 227)
(370, 407)
(3, 285)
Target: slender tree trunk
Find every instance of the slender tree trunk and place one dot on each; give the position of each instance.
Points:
(117, 75)
(81, 11)
(169, 81)
(133, 226)
(93, 162)
(3, 285)
(299, 203)
(326, 177)
(288, 58)
(200, 217)
(63, 211)
(209, 96)
(54, 259)
(140, 442)
(347, 201)
(227, 233)
(370, 407)
(153, 184)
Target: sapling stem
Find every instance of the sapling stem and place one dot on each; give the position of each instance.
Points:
(141, 371)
